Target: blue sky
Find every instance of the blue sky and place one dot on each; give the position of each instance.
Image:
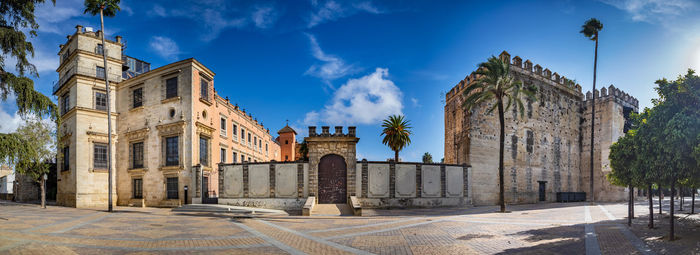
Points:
(353, 63)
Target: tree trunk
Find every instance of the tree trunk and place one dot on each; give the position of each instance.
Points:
(43, 193)
(109, 115)
(661, 198)
(692, 206)
(501, 195)
(651, 208)
(680, 193)
(396, 156)
(671, 235)
(595, 66)
(630, 204)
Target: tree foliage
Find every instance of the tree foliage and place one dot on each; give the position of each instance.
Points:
(397, 133)
(110, 7)
(427, 158)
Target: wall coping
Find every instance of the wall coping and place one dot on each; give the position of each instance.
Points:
(359, 162)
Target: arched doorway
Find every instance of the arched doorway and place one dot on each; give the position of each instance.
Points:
(332, 180)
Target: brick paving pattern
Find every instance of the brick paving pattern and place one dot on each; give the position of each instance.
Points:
(528, 229)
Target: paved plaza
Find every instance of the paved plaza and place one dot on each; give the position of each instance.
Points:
(552, 228)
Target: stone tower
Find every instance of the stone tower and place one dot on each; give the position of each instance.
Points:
(81, 92)
(287, 141)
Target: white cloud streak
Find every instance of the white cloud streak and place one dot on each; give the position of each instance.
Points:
(653, 10)
(326, 11)
(165, 47)
(331, 68)
(364, 100)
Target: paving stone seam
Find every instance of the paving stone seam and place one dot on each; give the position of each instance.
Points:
(511, 223)
(362, 226)
(243, 246)
(591, 239)
(150, 239)
(270, 240)
(61, 222)
(83, 223)
(385, 229)
(316, 239)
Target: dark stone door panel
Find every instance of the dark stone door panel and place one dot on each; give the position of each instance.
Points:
(332, 180)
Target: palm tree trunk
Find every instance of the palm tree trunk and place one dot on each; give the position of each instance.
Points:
(109, 116)
(671, 235)
(396, 156)
(651, 208)
(43, 193)
(501, 195)
(595, 67)
(630, 205)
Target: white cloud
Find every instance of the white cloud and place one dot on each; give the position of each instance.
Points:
(365, 100)
(415, 102)
(9, 122)
(332, 67)
(264, 17)
(165, 47)
(332, 10)
(653, 10)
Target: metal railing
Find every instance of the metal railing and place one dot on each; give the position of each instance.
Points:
(90, 72)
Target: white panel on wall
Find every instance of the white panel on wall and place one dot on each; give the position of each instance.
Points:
(454, 176)
(259, 180)
(405, 180)
(378, 180)
(286, 180)
(233, 181)
(430, 175)
(306, 179)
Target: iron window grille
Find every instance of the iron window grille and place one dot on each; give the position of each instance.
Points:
(66, 158)
(100, 72)
(171, 87)
(137, 157)
(99, 49)
(100, 101)
(66, 103)
(223, 127)
(138, 188)
(204, 90)
(172, 187)
(138, 97)
(172, 157)
(204, 151)
(100, 156)
(223, 155)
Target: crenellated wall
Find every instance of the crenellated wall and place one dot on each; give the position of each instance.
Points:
(543, 146)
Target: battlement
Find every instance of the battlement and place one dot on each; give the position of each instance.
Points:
(615, 93)
(526, 68)
(325, 131)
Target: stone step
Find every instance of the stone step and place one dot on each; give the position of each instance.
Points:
(331, 210)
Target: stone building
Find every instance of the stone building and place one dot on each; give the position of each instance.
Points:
(547, 150)
(165, 121)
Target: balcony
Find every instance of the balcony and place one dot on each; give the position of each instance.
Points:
(84, 71)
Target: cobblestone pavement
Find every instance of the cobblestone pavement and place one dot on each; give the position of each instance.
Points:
(572, 228)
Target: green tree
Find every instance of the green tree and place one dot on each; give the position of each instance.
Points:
(304, 150)
(625, 168)
(16, 21)
(590, 29)
(107, 8)
(397, 134)
(495, 84)
(427, 158)
(39, 149)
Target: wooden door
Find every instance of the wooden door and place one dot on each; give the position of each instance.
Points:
(332, 180)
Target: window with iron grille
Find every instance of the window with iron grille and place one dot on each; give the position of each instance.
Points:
(100, 72)
(65, 56)
(66, 103)
(204, 89)
(137, 155)
(101, 101)
(242, 158)
(100, 49)
(223, 155)
(66, 158)
(223, 126)
(235, 130)
(138, 188)
(171, 87)
(172, 157)
(243, 135)
(172, 187)
(204, 151)
(100, 156)
(235, 157)
(138, 97)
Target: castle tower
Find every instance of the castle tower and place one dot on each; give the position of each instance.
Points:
(82, 141)
(287, 141)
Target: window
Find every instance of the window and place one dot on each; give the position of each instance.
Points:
(172, 187)
(137, 155)
(99, 49)
(204, 89)
(286, 157)
(172, 157)
(249, 136)
(265, 148)
(223, 155)
(65, 56)
(223, 127)
(101, 101)
(138, 97)
(235, 130)
(235, 157)
(286, 141)
(100, 72)
(100, 156)
(255, 141)
(66, 158)
(530, 141)
(204, 151)
(248, 159)
(138, 188)
(242, 158)
(243, 135)
(66, 103)
(171, 87)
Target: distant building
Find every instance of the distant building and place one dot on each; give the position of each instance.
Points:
(548, 149)
(288, 143)
(165, 122)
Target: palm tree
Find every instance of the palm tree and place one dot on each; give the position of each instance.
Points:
(494, 83)
(590, 29)
(427, 158)
(396, 134)
(107, 8)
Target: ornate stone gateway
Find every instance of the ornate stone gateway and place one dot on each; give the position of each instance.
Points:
(332, 180)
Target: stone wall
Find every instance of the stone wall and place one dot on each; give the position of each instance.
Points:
(276, 185)
(337, 143)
